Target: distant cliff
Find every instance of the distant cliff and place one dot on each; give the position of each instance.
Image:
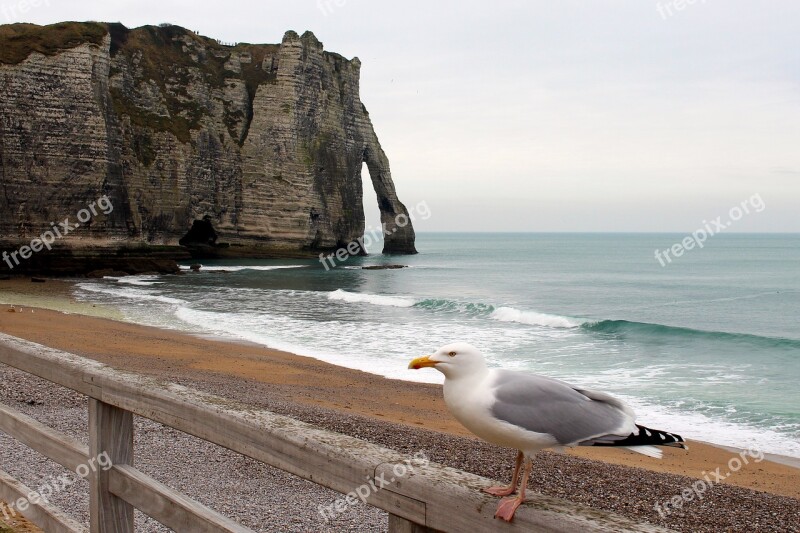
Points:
(245, 150)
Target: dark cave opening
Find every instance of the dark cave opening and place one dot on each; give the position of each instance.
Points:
(201, 233)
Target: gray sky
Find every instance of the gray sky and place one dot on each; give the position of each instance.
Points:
(624, 115)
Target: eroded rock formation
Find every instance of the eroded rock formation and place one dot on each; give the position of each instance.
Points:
(264, 143)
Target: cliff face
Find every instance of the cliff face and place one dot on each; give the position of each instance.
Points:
(262, 145)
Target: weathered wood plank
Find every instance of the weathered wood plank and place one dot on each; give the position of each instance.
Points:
(48, 363)
(39, 512)
(169, 507)
(63, 449)
(434, 496)
(111, 433)
(454, 502)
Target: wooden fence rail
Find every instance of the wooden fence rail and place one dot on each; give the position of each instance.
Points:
(429, 498)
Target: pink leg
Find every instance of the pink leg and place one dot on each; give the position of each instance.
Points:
(508, 506)
(512, 488)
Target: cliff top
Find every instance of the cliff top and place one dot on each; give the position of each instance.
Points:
(17, 41)
(166, 54)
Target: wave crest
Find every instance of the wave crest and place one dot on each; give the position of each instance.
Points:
(374, 299)
(509, 314)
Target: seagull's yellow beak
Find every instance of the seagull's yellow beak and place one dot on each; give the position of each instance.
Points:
(421, 362)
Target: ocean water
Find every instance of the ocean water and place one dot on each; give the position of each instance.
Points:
(707, 346)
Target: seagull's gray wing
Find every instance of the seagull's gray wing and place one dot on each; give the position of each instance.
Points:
(546, 405)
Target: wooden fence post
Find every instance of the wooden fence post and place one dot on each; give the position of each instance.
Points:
(398, 524)
(110, 432)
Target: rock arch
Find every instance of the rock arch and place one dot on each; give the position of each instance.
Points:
(398, 229)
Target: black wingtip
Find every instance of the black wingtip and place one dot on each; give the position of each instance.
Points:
(656, 437)
(645, 437)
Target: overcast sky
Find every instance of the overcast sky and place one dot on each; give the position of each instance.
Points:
(618, 115)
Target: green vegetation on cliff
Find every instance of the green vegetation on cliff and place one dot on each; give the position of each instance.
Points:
(168, 56)
(17, 41)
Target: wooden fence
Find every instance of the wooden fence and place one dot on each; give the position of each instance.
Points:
(431, 498)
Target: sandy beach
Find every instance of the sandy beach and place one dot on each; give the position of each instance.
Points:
(343, 399)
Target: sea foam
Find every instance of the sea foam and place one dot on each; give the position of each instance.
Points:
(130, 293)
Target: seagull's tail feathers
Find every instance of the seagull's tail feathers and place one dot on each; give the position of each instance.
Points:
(644, 441)
(650, 451)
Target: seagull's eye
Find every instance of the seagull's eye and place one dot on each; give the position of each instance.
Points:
(452, 354)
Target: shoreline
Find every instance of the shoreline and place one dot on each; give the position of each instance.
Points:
(56, 295)
(169, 354)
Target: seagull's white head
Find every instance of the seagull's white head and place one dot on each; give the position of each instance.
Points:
(453, 360)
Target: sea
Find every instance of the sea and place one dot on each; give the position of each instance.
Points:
(707, 345)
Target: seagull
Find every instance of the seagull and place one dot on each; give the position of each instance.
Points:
(529, 412)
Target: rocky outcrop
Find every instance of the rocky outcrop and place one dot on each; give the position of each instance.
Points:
(261, 145)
